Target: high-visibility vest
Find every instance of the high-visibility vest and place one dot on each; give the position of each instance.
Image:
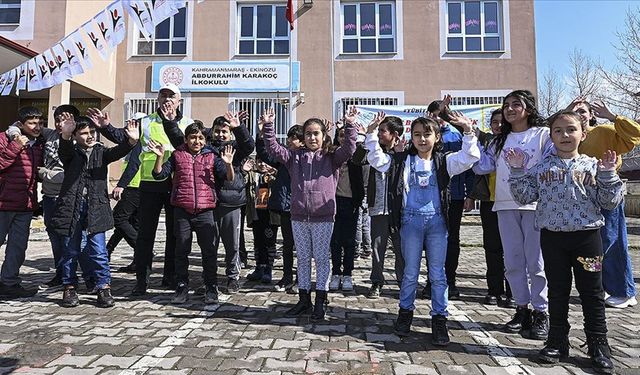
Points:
(152, 129)
(135, 181)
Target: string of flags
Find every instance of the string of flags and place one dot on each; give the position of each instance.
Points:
(70, 56)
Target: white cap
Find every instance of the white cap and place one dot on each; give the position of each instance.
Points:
(171, 87)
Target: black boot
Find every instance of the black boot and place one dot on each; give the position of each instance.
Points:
(403, 323)
(439, 330)
(520, 321)
(318, 309)
(304, 305)
(600, 353)
(557, 345)
(539, 325)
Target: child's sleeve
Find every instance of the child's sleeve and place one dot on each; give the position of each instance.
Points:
(344, 152)
(173, 132)
(115, 135)
(244, 144)
(116, 153)
(219, 169)
(524, 185)
(377, 158)
(360, 155)
(277, 151)
(610, 189)
(65, 150)
(262, 154)
(487, 162)
(167, 169)
(626, 137)
(54, 175)
(460, 161)
(8, 152)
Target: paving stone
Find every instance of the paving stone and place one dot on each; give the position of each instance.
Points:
(72, 360)
(406, 369)
(111, 361)
(284, 365)
(77, 371)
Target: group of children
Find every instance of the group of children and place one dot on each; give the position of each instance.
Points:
(545, 199)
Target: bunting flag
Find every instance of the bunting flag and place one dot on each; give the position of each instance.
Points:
(33, 76)
(289, 13)
(103, 22)
(21, 82)
(11, 77)
(71, 52)
(45, 74)
(54, 69)
(81, 47)
(3, 81)
(63, 63)
(161, 10)
(96, 40)
(178, 4)
(139, 13)
(116, 15)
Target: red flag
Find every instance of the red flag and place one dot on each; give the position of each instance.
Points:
(289, 13)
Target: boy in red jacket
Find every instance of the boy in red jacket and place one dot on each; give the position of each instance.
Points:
(19, 162)
(194, 169)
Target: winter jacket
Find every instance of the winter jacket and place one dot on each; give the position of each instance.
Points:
(461, 184)
(569, 195)
(19, 173)
(85, 176)
(280, 198)
(314, 175)
(193, 178)
(377, 184)
(621, 136)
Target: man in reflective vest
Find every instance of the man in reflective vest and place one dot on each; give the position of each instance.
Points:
(155, 195)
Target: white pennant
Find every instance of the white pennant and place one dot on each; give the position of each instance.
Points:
(81, 47)
(72, 55)
(21, 82)
(116, 16)
(102, 21)
(91, 30)
(139, 13)
(3, 81)
(54, 69)
(61, 59)
(45, 74)
(33, 76)
(161, 10)
(11, 78)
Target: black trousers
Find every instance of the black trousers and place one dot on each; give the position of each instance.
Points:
(580, 252)
(204, 224)
(288, 245)
(453, 240)
(264, 238)
(494, 255)
(343, 239)
(125, 219)
(244, 255)
(151, 204)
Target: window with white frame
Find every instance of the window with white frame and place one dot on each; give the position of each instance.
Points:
(476, 100)
(170, 37)
(10, 12)
(474, 26)
(345, 103)
(368, 27)
(264, 29)
(143, 105)
(255, 106)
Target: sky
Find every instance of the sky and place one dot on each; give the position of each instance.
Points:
(588, 25)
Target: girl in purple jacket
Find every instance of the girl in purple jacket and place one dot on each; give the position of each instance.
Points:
(314, 172)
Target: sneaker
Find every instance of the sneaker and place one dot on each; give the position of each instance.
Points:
(200, 291)
(267, 276)
(233, 286)
(521, 320)
(539, 325)
(257, 274)
(347, 284)
(374, 292)
(334, 284)
(490, 300)
(402, 325)
(182, 294)
(70, 297)
(54, 282)
(16, 291)
(621, 302)
(506, 302)
(454, 293)
(105, 299)
(139, 290)
(439, 331)
(131, 268)
(283, 284)
(211, 295)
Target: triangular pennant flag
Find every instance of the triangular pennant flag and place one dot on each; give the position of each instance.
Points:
(178, 4)
(45, 74)
(21, 82)
(71, 53)
(61, 59)
(139, 13)
(33, 76)
(54, 69)
(91, 30)
(116, 15)
(11, 78)
(3, 81)
(81, 47)
(103, 21)
(161, 10)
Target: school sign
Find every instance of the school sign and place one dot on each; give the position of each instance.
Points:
(233, 76)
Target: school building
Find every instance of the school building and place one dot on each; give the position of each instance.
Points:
(235, 54)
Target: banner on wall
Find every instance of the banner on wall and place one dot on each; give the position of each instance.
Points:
(480, 114)
(233, 76)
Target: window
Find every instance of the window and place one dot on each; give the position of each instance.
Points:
(368, 27)
(256, 106)
(9, 12)
(170, 37)
(345, 103)
(474, 26)
(264, 30)
(143, 105)
(476, 100)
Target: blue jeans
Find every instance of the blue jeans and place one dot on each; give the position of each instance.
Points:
(617, 274)
(56, 239)
(90, 249)
(418, 232)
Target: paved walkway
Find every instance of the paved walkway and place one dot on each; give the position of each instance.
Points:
(247, 333)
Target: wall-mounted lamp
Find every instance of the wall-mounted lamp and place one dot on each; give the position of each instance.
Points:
(307, 3)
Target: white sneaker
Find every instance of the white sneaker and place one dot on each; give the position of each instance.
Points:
(347, 284)
(335, 282)
(621, 302)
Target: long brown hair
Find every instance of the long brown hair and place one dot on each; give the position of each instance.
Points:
(327, 144)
